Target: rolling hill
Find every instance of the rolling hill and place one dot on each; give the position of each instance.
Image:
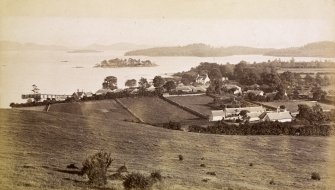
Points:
(317, 49)
(37, 146)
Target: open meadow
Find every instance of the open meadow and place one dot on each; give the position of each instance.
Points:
(154, 110)
(196, 103)
(102, 108)
(36, 147)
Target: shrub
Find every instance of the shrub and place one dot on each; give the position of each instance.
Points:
(137, 181)
(211, 173)
(315, 176)
(272, 182)
(122, 169)
(95, 167)
(202, 165)
(251, 164)
(172, 125)
(156, 176)
(181, 158)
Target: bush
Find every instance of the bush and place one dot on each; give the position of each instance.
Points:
(272, 182)
(95, 167)
(137, 181)
(202, 165)
(181, 158)
(156, 176)
(122, 169)
(172, 125)
(211, 173)
(315, 176)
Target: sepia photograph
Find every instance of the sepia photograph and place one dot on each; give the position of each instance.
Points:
(167, 94)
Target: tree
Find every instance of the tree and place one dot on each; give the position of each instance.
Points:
(187, 79)
(130, 83)
(158, 81)
(244, 115)
(281, 94)
(37, 95)
(170, 85)
(110, 82)
(318, 94)
(143, 83)
(215, 74)
(272, 79)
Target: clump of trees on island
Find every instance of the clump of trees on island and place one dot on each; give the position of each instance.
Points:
(130, 62)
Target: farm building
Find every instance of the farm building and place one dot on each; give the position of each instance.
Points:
(238, 90)
(229, 112)
(255, 92)
(202, 79)
(284, 116)
(103, 91)
(217, 115)
(184, 89)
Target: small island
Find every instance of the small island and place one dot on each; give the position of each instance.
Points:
(130, 62)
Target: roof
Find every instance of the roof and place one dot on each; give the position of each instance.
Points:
(103, 91)
(254, 91)
(250, 109)
(202, 77)
(254, 114)
(183, 88)
(273, 116)
(217, 113)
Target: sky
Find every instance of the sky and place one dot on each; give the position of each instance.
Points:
(258, 23)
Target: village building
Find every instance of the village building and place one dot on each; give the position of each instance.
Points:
(255, 92)
(78, 95)
(217, 115)
(202, 79)
(238, 90)
(182, 88)
(281, 116)
(103, 91)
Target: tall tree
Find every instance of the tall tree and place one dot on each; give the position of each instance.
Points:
(170, 85)
(110, 82)
(158, 81)
(143, 83)
(130, 83)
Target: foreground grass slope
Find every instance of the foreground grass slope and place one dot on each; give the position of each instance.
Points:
(101, 109)
(36, 147)
(154, 110)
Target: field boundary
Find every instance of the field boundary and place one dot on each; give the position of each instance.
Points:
(185, 108)
(133, 114)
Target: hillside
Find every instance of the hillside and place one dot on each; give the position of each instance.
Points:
(198, 50)
(37, 146)
(317, 49)
(8, 45)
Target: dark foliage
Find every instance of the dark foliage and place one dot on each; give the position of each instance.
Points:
(266, 128)
(156, 176)
(172, 125)
(95, 167)
(181, 157)
(137, 181)
(315, 176)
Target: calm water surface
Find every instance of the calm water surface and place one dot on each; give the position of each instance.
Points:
(47, 69)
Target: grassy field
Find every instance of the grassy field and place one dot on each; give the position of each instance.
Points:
(292, 105)
(196, 103)
(36, 147)
(101, 108)
(155, 110)
(32, 108)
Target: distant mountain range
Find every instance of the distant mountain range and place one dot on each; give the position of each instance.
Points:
(8, 45)
(317, 49)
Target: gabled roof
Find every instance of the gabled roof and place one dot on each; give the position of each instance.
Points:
(217, 113)
(273, 116)
(250, 109)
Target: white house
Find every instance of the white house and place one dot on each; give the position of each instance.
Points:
(282, 117)
(253, 113)
(202, 79)
(103, 91)
(217, 115)
(233, 86)
(255, 92)
(184, 88)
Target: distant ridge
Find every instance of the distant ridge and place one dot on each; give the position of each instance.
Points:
(9, 45)
(316, 49)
